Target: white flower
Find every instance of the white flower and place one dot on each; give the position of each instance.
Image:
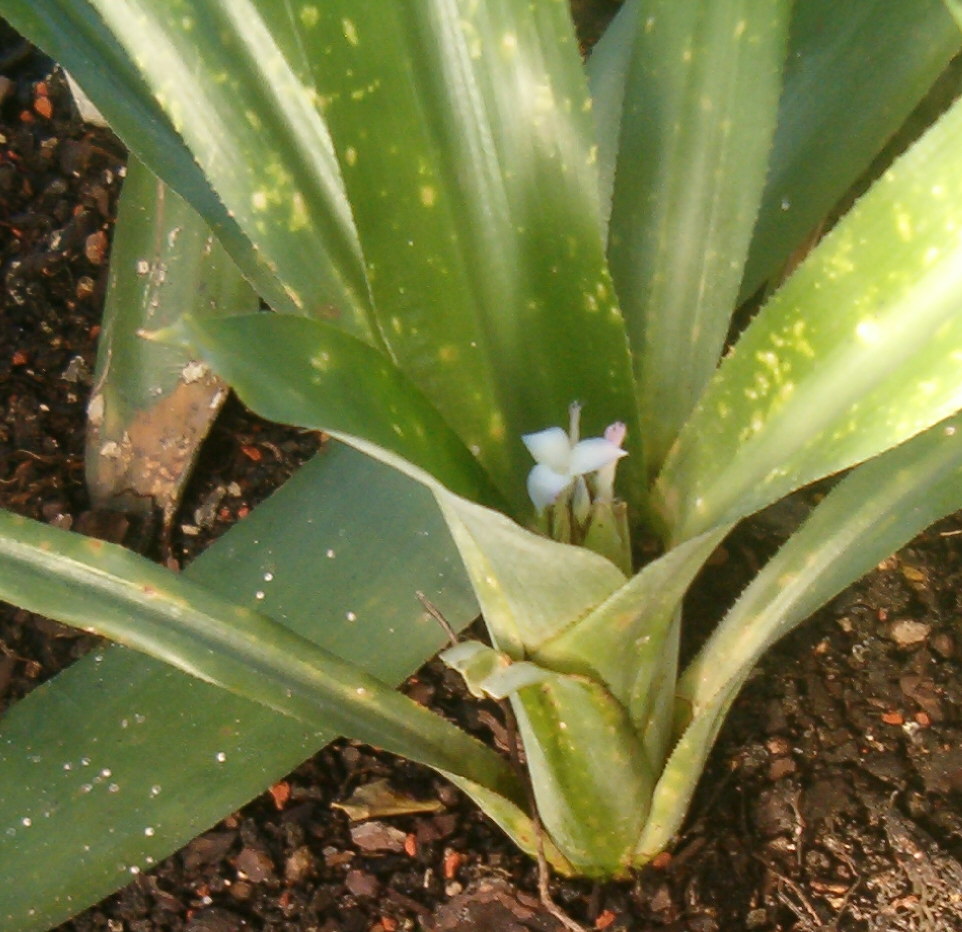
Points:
(561, 459)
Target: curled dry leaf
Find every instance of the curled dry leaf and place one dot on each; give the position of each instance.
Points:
(378, 798)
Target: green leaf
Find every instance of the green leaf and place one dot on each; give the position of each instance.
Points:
(152, 405)
(871, 513)
(115, 708)
(854, 73)
(608, 67)
(887, 500)
(630, 641)
(529, 587)
(955, 8)
(233, 80)
(465, 142)
(483, 152)
(590, 777)
(107, 590)
(588, 770)
(308, 372)
(857, 352)
(291, 380)
(697, 123)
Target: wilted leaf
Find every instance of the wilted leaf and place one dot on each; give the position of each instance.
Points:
(378, 798)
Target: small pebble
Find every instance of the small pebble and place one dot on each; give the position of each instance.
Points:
(906, 632)
(95, 247)
(913, 574)
(780, 767)
(241, 890)
(215, 919)
(361, 883)
(299, 865)
(255, 864)
(944, 645)
(377, 836)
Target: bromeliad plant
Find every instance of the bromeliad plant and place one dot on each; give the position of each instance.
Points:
(464, 242)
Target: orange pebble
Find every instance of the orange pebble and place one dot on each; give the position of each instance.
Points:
(452, 861)
(661, 861)
(280, 793)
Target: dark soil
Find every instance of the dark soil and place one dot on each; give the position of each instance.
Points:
(832, 801)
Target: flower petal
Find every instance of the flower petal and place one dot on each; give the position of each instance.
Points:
(615, 433)
(550, 447)
(593, 453)
(545, 485)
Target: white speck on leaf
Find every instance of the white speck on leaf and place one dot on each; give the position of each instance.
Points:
(193, 372)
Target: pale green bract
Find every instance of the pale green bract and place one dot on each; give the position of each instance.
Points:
(459, 232)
